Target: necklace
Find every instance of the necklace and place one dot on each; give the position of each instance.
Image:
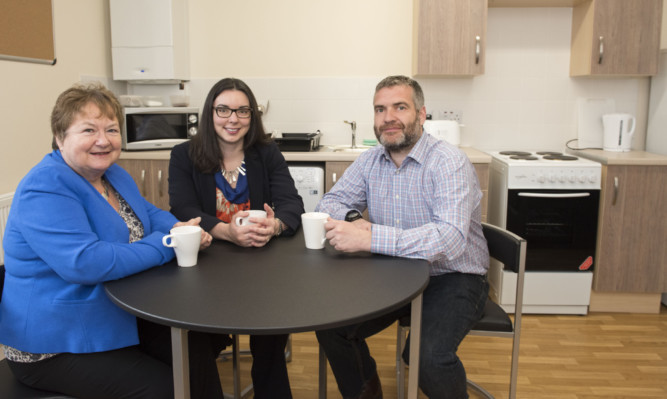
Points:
(233, 175)
(105, 194)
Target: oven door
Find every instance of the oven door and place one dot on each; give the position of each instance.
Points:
(560, 227)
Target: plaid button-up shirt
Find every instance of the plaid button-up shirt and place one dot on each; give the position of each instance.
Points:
(428, 208)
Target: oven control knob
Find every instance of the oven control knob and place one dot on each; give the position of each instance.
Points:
(552, 178)
(541, 179)
(582, 179)
(562, 178)
(573, 179)
(592, 179)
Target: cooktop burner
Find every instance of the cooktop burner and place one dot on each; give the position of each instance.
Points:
(527, 157)
(536, 156)
(516, 153)
(560, 157)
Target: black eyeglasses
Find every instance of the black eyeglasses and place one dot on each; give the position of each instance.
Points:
(224, 112)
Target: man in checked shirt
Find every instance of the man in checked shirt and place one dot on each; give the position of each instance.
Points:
(423, 200)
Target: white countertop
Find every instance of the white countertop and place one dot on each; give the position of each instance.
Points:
(324, 154)
(622, 158)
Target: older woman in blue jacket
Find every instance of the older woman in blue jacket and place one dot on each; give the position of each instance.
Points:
(78, 220)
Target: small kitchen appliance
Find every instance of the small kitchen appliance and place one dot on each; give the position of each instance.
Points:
(617, 132)
(551, 200)
(447, 130)
(299, 141)
(158, 128)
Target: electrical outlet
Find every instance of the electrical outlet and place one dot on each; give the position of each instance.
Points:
(452, 114)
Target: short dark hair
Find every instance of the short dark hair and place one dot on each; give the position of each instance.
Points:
(204, 148)
(400, 80)
(70, 103)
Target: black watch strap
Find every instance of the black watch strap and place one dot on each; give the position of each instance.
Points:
(353, 215)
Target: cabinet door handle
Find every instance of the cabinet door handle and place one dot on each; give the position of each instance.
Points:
(478, 49)
(143, 182)
(615, 196)
(333, 177)
(601, 50)
(159, 182)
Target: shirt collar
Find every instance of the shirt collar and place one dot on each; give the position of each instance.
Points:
(418, 152)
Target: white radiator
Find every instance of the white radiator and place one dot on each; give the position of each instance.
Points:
(5, 202)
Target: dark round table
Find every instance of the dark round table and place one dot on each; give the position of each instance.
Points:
(277, 289)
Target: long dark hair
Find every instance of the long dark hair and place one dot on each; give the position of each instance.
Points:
(204, 149)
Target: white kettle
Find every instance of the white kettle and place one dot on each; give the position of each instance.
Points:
(617, 132)
(448, 130)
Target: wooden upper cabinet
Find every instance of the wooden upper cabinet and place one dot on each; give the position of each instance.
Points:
(449, 37)
(616, 38)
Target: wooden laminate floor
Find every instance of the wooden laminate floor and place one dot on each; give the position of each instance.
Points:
(601, 355)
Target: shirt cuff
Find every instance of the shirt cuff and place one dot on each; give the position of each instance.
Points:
(383, 240)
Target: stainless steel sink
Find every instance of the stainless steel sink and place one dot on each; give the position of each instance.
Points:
(348, 148)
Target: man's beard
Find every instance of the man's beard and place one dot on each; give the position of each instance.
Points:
(411, 134)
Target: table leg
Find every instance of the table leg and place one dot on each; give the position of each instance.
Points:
(415, 337)
(181, 366)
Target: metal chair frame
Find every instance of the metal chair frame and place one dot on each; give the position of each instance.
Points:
(510, 250)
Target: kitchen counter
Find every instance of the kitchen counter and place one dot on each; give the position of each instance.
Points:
(622, 158)
(324, 154)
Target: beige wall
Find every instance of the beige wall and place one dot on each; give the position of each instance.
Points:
(300, 38)
(241, 38)
(29, 90)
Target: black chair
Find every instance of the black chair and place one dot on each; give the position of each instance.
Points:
(510, 250)
(10, 387)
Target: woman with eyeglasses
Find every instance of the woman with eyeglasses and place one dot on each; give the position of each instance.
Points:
(231, 166)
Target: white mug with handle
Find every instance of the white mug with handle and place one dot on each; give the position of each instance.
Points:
(245, 221)
(313, 229)
(185, 240)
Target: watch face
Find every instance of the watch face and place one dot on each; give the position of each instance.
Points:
(352, 216)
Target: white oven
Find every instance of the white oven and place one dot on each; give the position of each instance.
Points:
(551, 200)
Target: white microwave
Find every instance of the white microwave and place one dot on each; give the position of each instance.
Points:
(158, 128)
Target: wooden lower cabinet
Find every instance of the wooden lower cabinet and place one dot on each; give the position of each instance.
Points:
(632, 230)
(482, 170)
(151, 178)
(333, 170)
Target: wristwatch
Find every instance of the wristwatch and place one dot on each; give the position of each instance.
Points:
(353, 215)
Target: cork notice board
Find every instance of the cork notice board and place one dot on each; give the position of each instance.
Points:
(26, 31)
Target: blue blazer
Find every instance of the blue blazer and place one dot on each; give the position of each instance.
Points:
(62, 242)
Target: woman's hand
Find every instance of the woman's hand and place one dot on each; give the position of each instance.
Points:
(256, 234)
(206, 238)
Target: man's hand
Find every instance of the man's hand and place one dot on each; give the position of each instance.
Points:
(349, 236)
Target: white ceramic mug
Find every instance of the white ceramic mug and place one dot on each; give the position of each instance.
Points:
(245, 221)
(313, 229)
(185, 240)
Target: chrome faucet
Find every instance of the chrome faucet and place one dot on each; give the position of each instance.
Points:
(353, 124)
